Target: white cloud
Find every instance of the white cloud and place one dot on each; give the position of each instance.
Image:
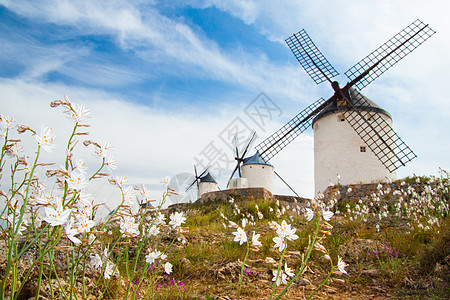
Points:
(158, 41)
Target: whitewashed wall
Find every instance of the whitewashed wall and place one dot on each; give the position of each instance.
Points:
(206, 187)
(259, 176)
(337, 151)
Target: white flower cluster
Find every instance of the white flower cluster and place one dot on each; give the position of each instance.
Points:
(281, 276)
(102, 262)
(284, 233)
(421, 202)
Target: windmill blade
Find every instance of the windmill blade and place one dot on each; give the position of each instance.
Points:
(197, 177)
(310, 57)
(388, 54)
(286, 134)
(232, 173)
(204, 172)
(192, 184)
(236, 145)
(248, 143)
(237, 158)
(377, 134)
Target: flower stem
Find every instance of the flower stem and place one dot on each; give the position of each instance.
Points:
(278, 271)
(241, 277)
(311, 247)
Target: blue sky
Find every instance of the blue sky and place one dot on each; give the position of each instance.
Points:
(165, 79)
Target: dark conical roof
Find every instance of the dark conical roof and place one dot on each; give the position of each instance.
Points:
(358, 100)
(207, 178)
(255, 160)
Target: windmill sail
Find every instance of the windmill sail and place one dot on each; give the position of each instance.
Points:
(197, 177)
(240, 156)
(388, 54)
(387, 146)
(377, 133)
(286, 134)
(310, 57)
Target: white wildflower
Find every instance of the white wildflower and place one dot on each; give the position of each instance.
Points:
(286, 231)
(240, 236)
(176, 219)
(81, 166)
(96, 261)
(56, 216)
(79, 112)
(154, 230)
(46, 138)
(71, 232)
(76, 180)
(154, 255)
(109, 269)
(341, 265)
(327, 215)
(309, 214)
(289, 272)
(160, 219)
(280, 243)
(103, 150)
(168, 268)
(255, 240)
(7, 122)
(279, 277)
(110, 163)
(165, 180)
(129, 227)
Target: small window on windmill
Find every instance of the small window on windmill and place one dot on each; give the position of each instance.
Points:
(362, 149)
(341, 118)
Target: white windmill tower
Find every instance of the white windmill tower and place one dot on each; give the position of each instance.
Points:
(253, 171)
(367, 128)
(205, 183)
(258, 172)
(339, 150)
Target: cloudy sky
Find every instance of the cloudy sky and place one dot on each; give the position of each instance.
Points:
(168, 82)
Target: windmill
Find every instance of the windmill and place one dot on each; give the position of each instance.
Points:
(205, 182)
(240, 158)
(368, 122)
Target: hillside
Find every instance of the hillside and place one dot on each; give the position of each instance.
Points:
(389, 256)
(378, 241)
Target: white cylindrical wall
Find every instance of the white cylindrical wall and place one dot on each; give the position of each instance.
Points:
(206, 187)
(259, 175)
(337, 150)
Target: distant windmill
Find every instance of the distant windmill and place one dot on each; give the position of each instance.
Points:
(240, 157)
(205, 182)
(339, 146)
